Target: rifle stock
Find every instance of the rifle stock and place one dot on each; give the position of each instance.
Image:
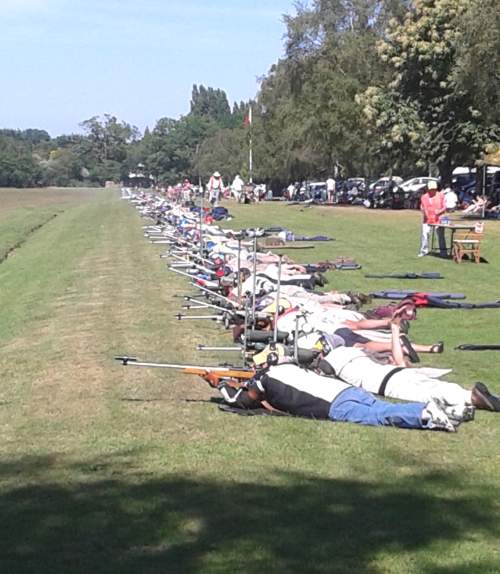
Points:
(221, 373)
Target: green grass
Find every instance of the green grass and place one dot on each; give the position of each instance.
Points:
(107, 469)
(23, 212)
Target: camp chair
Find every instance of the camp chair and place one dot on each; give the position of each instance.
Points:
(468, 243)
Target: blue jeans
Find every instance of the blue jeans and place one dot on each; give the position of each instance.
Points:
(358, 406)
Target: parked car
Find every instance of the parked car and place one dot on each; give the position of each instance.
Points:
(416, 183)
(460, 182)
(413, 189)
(360, 182)
(493, 187)
(385, 193)
(384, 182)
(464, 183)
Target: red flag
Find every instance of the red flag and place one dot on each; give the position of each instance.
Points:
(247, 120)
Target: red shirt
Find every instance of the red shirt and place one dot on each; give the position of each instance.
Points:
(430, 205)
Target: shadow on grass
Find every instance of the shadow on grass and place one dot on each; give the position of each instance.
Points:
(448, 257)
(108, 521)
(480, 567)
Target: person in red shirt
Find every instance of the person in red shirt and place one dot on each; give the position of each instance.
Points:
(215, 187)
(432, 206)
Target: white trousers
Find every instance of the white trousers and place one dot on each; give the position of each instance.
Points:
(213, 196)
(424, 240)
(412, 385)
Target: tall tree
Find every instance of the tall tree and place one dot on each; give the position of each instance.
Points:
(211, 104)
(478, 57)
(313, 121)
(62, 168)
(425, 108)
(106, 149)
(18, 168)
(170, 153)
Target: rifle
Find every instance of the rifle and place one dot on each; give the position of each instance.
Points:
(467, 347)
(430, 275)
(238, 373)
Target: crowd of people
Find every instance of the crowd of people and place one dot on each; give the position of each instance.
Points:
(314, 353)
(214, 190)
(333, 191)
(435, 204)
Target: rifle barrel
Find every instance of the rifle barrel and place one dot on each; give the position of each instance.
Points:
(221, 349)
(215, 294)
(131, 362)
(181, 317)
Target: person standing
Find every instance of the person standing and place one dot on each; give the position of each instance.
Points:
(186, 191)
(450, 198)
(237, 187)
(432, 206)
(214, 188)
(330, 189)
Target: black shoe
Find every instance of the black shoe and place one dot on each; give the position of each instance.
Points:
(438, 347)
(483, 399)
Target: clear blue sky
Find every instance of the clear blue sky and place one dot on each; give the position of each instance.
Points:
(63, 61)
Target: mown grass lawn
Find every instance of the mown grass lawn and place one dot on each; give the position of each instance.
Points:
(106, 469)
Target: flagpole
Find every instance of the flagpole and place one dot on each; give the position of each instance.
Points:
(250, 155)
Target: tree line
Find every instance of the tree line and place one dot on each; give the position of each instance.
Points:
(364, 87)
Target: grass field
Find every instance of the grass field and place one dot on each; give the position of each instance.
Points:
(105, 469)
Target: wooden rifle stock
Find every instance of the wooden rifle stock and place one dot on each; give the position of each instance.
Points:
(242, 374)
